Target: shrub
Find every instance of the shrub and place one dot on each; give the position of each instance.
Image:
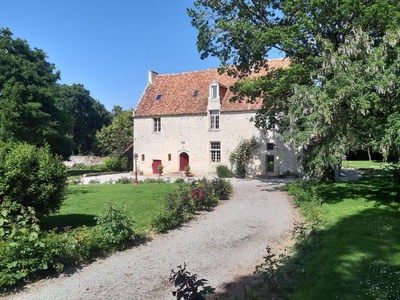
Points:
(223, 172)
(179, 180)
(166, 221)
(116, 228)
(188, 286)
(32, 177)
(222, 188)
(112, 164)
(124, 180)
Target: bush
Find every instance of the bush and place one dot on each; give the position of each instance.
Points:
(112, 164)
(116, 228)
(222, 188)
(32, 176)
(224, 172)
(124, 180)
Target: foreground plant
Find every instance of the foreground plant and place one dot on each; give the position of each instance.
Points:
(188, 286)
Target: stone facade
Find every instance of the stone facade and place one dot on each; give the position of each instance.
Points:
(187, 119)
(192, 135)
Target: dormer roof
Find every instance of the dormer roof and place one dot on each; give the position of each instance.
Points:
(188, 93)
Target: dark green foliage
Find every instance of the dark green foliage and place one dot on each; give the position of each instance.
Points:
(223, 172)
(85, 116)
(222, 188)
(28, 112)
(115, 226)
(124, 180)
(116, 137)
(190, 197)
(33, 177)
(188, 286)
(341, 90)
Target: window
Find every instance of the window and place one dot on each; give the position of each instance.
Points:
(169, 157)
(214, 92)
(214, 119)
(143, 157)
(158, 97)
(195, 93)
(270, 146)
(157, 124)
(216, 151)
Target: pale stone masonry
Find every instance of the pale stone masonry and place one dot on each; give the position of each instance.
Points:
(187, 119)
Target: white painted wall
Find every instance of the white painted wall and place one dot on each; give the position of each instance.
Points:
(191, 134)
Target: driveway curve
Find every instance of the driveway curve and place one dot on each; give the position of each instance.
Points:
(220, 246)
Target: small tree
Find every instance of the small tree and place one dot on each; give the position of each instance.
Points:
(32, 177)
(242, 155)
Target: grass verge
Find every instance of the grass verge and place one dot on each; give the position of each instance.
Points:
(84, 202)
(350, 249)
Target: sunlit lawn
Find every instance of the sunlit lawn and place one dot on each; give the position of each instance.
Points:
(142, 202)
(358, 254)
(363, 164)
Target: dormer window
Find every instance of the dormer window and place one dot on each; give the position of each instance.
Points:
(214, 92)
(158, 97)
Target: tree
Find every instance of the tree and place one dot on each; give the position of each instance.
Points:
(340, 91)
(27, 109)
(31, 176)
(85, 116)
(115, 138)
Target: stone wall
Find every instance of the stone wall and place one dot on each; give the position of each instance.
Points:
(86, 160)
(191, 134)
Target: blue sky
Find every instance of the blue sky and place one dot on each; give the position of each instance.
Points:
(109, 46)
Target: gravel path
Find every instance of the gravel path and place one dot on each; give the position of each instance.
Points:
(220, 246)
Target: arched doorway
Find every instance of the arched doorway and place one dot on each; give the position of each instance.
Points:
(183, 161)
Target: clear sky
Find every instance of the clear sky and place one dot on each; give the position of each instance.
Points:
(109, 46)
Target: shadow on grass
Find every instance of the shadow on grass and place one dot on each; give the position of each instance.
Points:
(72, 220)
(373, 186)
(357, 258)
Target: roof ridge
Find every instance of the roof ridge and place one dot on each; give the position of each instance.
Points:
(187, 72)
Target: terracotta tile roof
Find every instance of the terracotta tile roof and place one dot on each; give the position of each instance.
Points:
(177, 93)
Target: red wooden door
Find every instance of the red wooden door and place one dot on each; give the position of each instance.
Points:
(155, 165)
(183, 161)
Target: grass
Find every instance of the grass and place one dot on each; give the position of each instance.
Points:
(355, 251)
(363, 164)
(84, 202)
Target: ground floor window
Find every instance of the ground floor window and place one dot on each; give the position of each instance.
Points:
(216, 151)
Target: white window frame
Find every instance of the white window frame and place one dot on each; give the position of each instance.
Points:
(214, 91)
(214, 119)
(157, 125)
(215, 152)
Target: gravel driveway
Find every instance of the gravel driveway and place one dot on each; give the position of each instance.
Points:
(220, 246)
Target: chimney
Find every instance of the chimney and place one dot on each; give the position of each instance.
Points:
(152, 76)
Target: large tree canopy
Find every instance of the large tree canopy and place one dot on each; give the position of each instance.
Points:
(115, 138)
(86, 116)
(27, 109)
(341, 90)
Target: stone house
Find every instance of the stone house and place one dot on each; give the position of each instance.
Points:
(187, 119)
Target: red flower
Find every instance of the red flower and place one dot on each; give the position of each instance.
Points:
(192, 195)
(201, 195)
(77, 239)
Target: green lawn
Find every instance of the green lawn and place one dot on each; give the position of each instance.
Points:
(142, 202)
(356, 254)
(363, 164)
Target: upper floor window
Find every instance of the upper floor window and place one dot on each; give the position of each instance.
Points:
(215, 151)
(214, 92)
(214, 119)
(270, 146)
(157, 124)
(158, 97)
